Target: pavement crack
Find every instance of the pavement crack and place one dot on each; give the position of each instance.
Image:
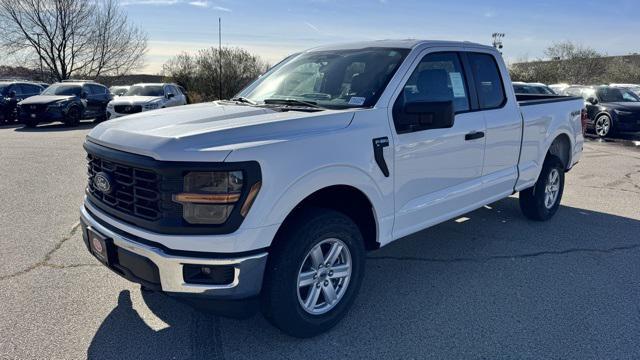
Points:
(508, 257)
(47, 257)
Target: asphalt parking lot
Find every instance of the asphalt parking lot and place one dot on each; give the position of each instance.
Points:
(489, 285)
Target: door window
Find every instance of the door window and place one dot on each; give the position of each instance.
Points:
(438, 77)
(488, 81)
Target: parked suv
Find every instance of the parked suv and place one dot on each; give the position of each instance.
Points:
(67, 101)
(277, 194)
(12, 92)
(145, 97)
(610, 109)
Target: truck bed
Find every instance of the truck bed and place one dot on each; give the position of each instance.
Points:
(535, 99)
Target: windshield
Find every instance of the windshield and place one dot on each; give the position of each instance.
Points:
(616, 95)
(332, 79)
(119, 91)
(139, 90)
(60, 89)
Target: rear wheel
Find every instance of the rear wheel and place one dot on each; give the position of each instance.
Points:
(314, 273)
(542, 201)
(603, 125)
(73, 117)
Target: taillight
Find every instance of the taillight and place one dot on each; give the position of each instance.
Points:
(583, 119)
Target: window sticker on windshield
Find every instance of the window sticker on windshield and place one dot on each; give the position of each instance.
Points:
(356, 100)
(457, 84)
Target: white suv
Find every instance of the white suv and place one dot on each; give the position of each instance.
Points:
(144, 97)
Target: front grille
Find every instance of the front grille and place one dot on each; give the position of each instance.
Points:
(128, 109)
(34, 108)
(134, 191)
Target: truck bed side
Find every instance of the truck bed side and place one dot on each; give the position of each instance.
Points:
(545, 119)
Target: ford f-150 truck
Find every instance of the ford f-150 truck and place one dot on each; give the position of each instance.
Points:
(275, 196)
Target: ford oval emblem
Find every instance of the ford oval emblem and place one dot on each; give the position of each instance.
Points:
(102, 183)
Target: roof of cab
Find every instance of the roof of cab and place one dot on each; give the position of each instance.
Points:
(397, 44)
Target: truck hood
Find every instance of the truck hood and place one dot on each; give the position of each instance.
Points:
(209, 132)
(45, 99)
(134, 100)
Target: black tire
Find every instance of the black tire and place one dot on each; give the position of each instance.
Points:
(30, 123)
(532, 200)
(598, 126)
(280, 295)
(73, 116)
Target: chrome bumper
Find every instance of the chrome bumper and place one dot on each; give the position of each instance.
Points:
(248, 270)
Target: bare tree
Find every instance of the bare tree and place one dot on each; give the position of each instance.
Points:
(199, 73)
(72, 37)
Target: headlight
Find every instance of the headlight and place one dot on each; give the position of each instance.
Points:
(59, 104)
(209, 197)
(151, 106)
(623, 113)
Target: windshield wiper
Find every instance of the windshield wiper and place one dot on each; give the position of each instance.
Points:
(293, 102)
(244, 100)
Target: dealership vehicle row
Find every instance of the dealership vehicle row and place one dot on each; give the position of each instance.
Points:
(71, 101)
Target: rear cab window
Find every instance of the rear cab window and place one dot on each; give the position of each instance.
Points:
(489, 84)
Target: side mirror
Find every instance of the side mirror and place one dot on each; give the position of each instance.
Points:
(424, 115)
(170, 95)
(12, 94)
(592, 100)
(84, 95)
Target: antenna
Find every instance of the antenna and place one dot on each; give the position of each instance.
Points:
(497, 40)
(219, 58)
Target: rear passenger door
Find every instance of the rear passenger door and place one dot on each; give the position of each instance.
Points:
(97, 100)
(437, 170)
(504, 125)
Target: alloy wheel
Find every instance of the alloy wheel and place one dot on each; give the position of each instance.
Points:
(603, 125)
(324, 276)
(552, 188)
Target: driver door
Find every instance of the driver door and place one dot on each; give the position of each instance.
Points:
(437, 170)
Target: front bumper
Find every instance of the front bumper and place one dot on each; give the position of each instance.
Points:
(247, 269)
(48, 115)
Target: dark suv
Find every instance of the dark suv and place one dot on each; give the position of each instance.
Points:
(12, 92)
(68, 101)
(609, 109)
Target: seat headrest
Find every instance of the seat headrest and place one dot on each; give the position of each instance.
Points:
(433, 84)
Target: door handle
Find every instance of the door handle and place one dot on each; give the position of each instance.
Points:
(474, 135)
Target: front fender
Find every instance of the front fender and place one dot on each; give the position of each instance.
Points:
(284, 203)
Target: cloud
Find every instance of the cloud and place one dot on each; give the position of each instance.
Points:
(220, 8)
(312, 27)
(149, 2)
(203, 4)
(197, 3)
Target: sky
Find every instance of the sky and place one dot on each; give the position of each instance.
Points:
(273, 29)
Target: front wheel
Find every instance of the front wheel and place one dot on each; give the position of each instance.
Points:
(314, 273)
(542, 201)
(603, 125)
(73, 117)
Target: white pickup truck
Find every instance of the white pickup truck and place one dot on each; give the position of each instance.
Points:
(276, 195)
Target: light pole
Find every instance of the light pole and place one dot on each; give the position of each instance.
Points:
(497, 40)
(219, 58)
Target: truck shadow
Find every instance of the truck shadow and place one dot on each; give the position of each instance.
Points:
(56, 127)
(487, 283)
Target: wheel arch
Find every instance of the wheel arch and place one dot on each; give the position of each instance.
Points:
(561, 147)
(345, 199)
